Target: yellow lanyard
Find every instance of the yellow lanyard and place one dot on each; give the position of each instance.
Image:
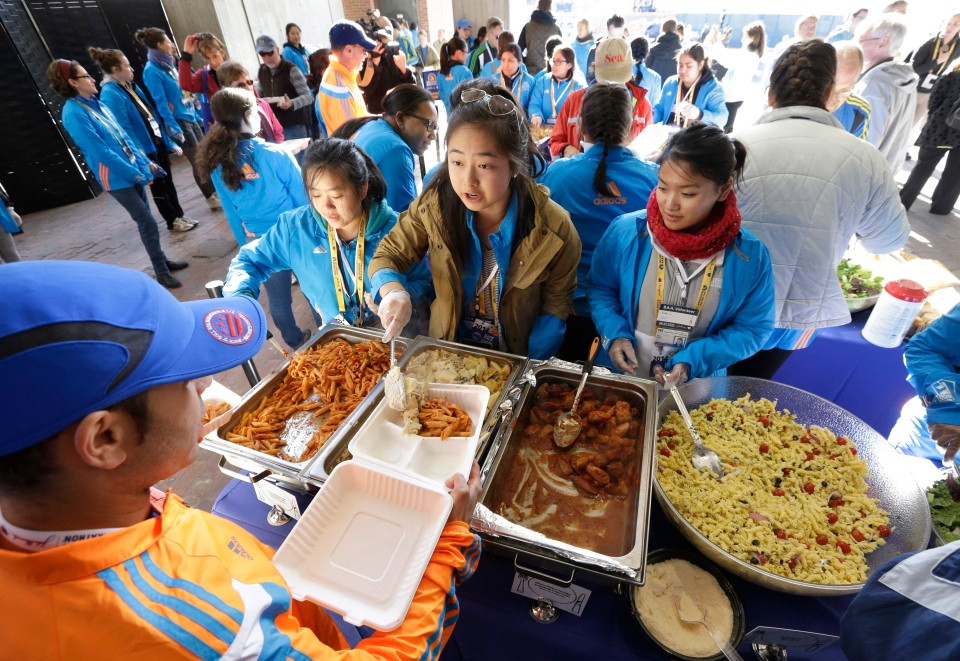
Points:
(111, 126)
(358, 264)
(704, 288)
(513, 88)
(936, 53)
(688, 97)
(563, 95)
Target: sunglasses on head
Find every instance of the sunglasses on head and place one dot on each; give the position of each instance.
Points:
(495, 104)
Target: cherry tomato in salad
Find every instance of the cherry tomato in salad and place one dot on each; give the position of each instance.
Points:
(781, 534)
(765, 421)
(883, 530)
(778, 492)
(843, 546)
(832, 518)
(857, 535)
(841, 440)
(764, 448)
(822, 540)
(808, 487)
(665, 452)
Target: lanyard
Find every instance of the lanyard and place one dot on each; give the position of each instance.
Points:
(513, 88)
(359, 266)
(154, 126)
(563, 94)
(936, 53)
(704, 288)
(111, 126)
(688, 97)
(493, 283)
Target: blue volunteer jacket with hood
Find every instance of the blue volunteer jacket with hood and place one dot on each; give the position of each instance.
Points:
(113, 96)
(299, 242)
(709, 99)
(745, 313)
(101, 145)
(270, 185)
(933, 362)
(541, 103)
(164, 87)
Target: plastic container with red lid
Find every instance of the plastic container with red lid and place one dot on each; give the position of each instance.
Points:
(899, 304)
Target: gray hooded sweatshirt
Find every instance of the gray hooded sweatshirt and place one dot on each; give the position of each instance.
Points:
(891, 90)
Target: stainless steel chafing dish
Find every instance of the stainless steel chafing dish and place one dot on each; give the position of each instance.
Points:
(322, 465)
(559, 558)
(274, 469)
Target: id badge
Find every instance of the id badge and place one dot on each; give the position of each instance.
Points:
(677, 316)
(479, 331)
(155, 127)
(129, 153)
(672, 337)
(658, 360)
(340, 320)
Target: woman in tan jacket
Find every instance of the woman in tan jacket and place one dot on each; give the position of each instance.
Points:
(503, 255)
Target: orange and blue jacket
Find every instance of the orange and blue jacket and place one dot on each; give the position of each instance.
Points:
(339, 97)
(187, 584)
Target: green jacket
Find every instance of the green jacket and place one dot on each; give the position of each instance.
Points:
(541, 279)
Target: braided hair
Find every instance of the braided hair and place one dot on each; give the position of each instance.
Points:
(804, 75)
(606, 117)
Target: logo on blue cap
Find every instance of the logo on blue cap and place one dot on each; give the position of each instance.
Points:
(229, 326)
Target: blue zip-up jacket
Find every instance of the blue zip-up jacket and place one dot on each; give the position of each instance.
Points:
(745, 314)
(710, 101)
(100, 146)
(394, 158)
(164, 87)
(570, 181)
(582, 50)
(121, 105)
(521, 89)
(540, 103)
(460, 73)
(7, 223)
(854, 114)
(299, 242)
(933, 364)
(298, 57)
(649, 80)
(271, 185)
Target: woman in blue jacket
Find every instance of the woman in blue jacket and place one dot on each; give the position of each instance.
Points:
(139, 119)
(294, 51)
(680, 290)
(119, 165)
(257, 181)
(512, 77)
(551, 91)
(329, 242)
(693, 95)
(453, 54)
(621, 183)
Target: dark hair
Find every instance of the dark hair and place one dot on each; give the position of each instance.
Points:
(485, 84)
(695, 51)
(348, 160)
(551, 44)
(606, 116)
(669, 25)
(107, 59)
(758, 38)
(150, 37)
(570, 56)
(511, 48)
(59, 83)
(482, 33)
(230, 72)
(804, 74)
(616, 21)
(505, 37)
(221, 146)
(639, 48)
(30, 469)
(319, 60)
(403, 98)
(455, 45)
(513, 140)
(708, 152)
(288, 27)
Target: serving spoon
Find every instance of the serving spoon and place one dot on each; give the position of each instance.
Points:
(691, 612)
(569, 424)
(702, 457)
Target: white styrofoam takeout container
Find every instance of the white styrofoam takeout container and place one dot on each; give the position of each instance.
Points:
(363, 544)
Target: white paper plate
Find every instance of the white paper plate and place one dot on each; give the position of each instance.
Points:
(363, 544)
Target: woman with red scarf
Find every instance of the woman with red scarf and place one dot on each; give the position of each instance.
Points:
(680, 290)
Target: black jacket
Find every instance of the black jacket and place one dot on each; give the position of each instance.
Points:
(662, 57)
(944, 96)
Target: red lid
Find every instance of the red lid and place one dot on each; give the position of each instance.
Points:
(906, 290)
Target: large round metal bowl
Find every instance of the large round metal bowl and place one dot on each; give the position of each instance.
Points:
(897, 491)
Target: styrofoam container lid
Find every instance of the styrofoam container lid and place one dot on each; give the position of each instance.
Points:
(380, 440)
(363, 545)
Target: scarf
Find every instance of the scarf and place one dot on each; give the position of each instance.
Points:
(716, 232)
(162, 60)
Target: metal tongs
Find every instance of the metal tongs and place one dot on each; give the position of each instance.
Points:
(702, 457)
(394, 389)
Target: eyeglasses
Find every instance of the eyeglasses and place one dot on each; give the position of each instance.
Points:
(431, 125)
(243, 83)
(871, 39)
(561, 61)
(86, 75)
(496, 104)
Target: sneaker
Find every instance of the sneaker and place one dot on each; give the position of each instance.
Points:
(168, 281)
(190, 221)
(181, 225)
(214, 202)
(177, 266)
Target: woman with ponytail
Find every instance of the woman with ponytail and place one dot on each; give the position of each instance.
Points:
(621, 184)
(680, 290)
(257, 182)
(329, 242)
(453, 71)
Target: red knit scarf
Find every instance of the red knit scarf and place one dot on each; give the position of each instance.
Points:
(713, 235)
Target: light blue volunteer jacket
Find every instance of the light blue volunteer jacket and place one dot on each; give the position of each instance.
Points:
(933, 363)
(102, 147)
(121, 105)
(291, 54)
(299, 242)
(394, 158)
(164, 87)
(271, 185)
(460, 73)
(710, 101)
(521, 89)
(582, 50)
(649, 80)
(745, 315)
(540, 101)
(570, 181)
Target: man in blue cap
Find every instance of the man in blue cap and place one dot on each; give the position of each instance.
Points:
(463, 31)
(101, 372)
(339, 95)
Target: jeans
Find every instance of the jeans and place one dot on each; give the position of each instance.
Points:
(281, 307)
(296, 131)
(947, 192)
(134, 200)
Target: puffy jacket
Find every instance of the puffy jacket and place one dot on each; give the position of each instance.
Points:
(933, 365)
(891, 90)
(662, 57)
(541, 102)
(113, 96)
(709, 99)
(570, 181)
(102, 147)
(299, 242)
(298, 55)
(567, 129)
(808, 187)
(171, 103)
(270, 185)
(537, 294)
(936, 134)
(744, 317)
(533, 39)
(394, 158)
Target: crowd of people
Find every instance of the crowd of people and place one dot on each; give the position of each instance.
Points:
(716, 253)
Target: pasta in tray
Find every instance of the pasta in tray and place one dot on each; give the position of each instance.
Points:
(793, 500)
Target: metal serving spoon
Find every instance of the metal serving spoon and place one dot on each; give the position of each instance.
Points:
(702, 457)
(691, 612)
(569, 424)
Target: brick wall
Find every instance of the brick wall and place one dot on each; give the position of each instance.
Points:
(354, 9)
(424, 11)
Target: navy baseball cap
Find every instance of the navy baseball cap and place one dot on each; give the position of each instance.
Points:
(265, 44)
(78, 337)
(348, 33)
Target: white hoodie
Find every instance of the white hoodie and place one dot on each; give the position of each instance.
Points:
(891, 90)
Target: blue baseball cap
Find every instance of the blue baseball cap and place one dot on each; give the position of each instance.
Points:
(463, 23)
(348, 33)
(78, 337)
